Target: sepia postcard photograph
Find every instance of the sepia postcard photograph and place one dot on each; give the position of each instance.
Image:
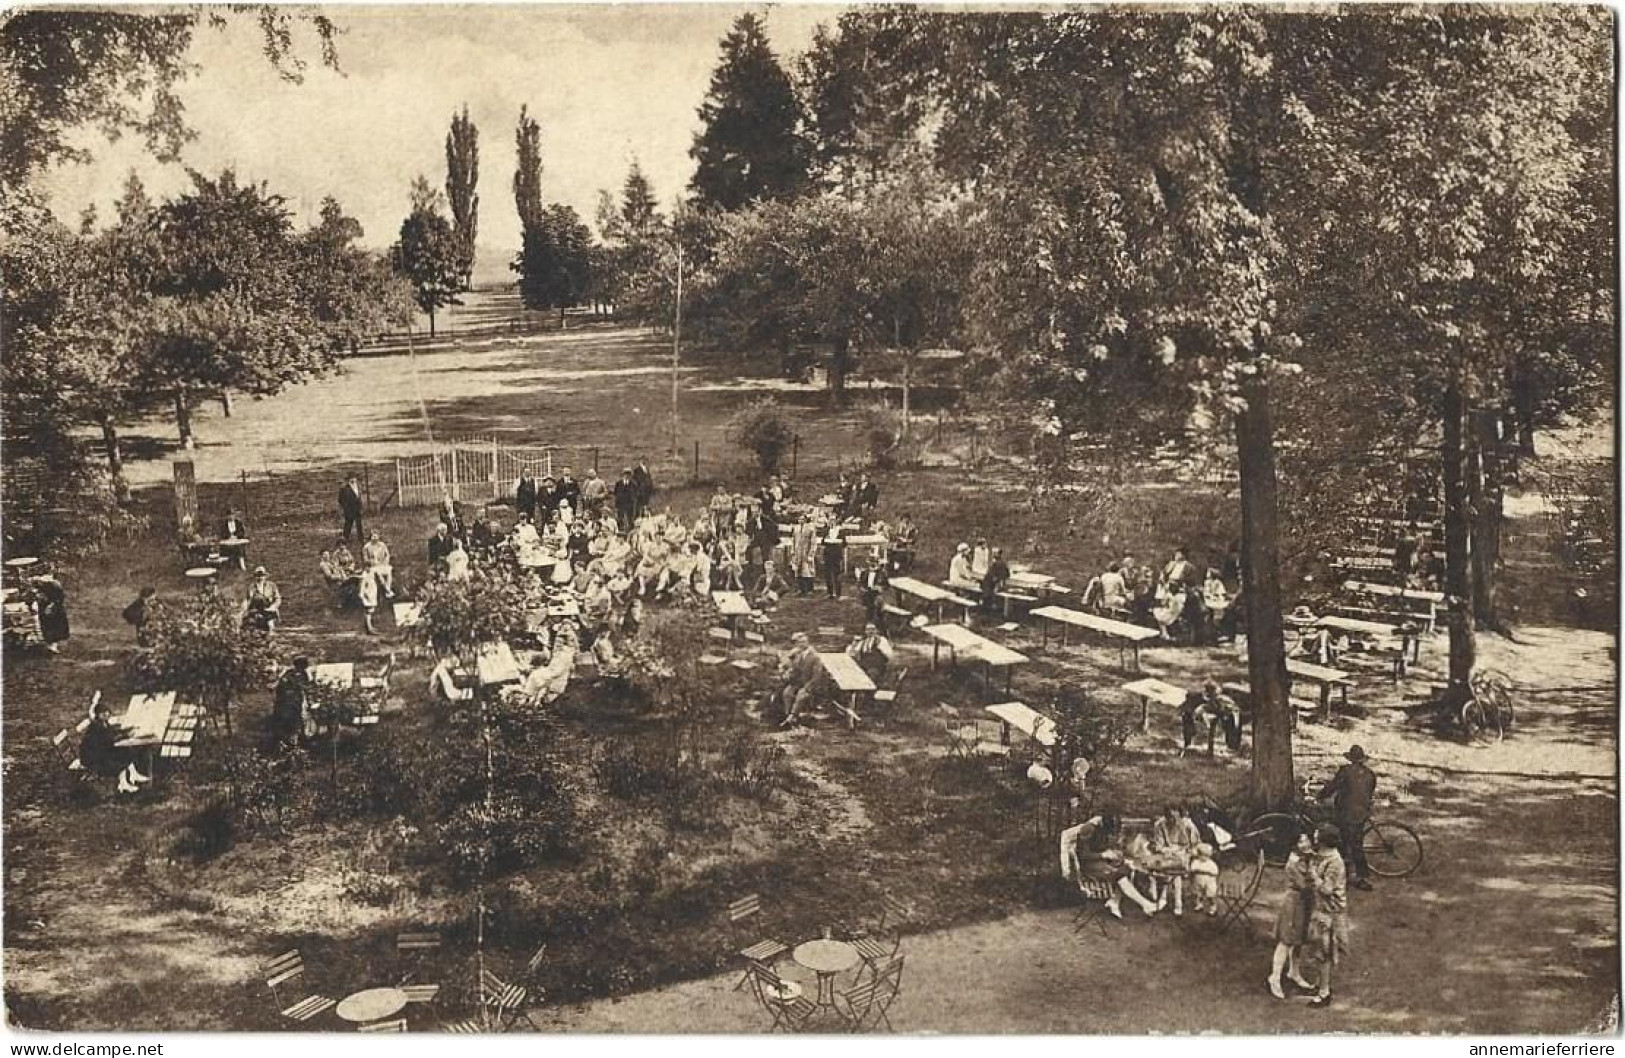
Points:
(737, 519)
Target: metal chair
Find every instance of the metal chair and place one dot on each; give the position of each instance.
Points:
(763, 952)
(1096, 894)
(398, 1025)
(783, 1000)
(866, 1004)
(284, 969)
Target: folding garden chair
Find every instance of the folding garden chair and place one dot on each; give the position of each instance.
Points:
(281, 971)
(783, 1000)
(880, 940)
(763, 952)
(866, 1004)
(466, 1027)
(888, 697)
(420, 993)
(398, 1025)
(1096, 894)
(67, 751)
(504, 1001)
(533, 966)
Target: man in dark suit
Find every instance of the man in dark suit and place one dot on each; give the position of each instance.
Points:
(871, 584)
(288, 703)
(626, 501)
(1352, 791)
(350, 506)
(440, 546)
(524, 499)
(234, 528)
(645, 483)
(570, 490)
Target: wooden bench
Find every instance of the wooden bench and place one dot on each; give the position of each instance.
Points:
(1016, 597)
(1326, 678)
(929, 594)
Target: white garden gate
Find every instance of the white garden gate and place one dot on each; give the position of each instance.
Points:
(470, 469)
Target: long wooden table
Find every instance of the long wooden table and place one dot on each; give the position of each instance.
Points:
(1027, 720)
(1151, 690)
(976, 648)
(1127, 636)
(850, 679)
(733, 606)
(1327, 678)
(928, 593)
(1433, 599)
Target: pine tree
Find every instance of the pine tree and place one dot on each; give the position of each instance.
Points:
(750, 147)
(638, 204)
(462, 187)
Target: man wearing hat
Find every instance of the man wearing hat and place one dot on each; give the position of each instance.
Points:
(959, 569)
(871, 583)
(799, 673)
(263, 608)
(872, 651)
(1351, 792)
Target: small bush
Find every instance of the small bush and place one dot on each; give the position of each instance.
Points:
(883, 432)
(761, 429)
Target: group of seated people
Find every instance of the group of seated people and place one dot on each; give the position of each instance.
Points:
(1175, 857)
(364, 585)
(980, 570)
(1173, 601)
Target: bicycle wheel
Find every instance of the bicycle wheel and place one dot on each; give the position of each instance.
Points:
(1276, 834)
(1392, 850)
(1474, 723)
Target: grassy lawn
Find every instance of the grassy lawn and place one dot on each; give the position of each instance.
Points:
(107, 927)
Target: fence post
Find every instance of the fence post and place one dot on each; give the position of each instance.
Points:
(696, 461)
(595, 459)
(795, 451)
(366, 487)
(496, 483)
(549, 451)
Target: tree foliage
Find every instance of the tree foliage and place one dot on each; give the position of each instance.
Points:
(200, 650)
(750, 146)
(527, 176)
(428, 255)
(462, 187)
(555, 263)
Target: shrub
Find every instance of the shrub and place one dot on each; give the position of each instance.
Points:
(760, 428)
(883, 432)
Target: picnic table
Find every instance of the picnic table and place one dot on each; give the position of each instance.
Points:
(928, 593)
(407, 614)
(975, 647)
(496, 664)
(1127, 636)
(146, 719)
(1432, 599)
(334, 673)
(850, 679)
(733, 606)
(1027, 720)
(877, 543)
(1154, 690)
(1326, 677)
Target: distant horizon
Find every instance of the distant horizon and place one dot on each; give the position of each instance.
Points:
(608, 83)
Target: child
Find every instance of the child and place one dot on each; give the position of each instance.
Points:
(1204, 880)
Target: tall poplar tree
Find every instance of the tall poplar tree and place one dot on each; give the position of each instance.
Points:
(462, 188)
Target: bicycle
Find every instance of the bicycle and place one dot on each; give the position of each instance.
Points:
(1487, 714)
(1392, 850)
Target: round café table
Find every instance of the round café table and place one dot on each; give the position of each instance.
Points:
(373, 1004)
(826, 957)
(202, 575)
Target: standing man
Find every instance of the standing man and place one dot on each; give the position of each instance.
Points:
(1329, 918)
(1352, 790)
(903, 539)
(866, 497)
(594, 494)
(834, 556)
(645, 486)
(524, 494)
(626, 501)
(288, 704)
(350, 507)
(569, 490)
(871, 584)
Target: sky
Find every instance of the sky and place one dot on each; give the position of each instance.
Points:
(608, 84)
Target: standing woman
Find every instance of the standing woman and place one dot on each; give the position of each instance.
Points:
(1292, 919)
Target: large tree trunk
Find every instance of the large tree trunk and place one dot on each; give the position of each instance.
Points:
(225, 402)
(1272, 780)
(115, 460)
(1458, 572)
(840, 362)
(1523, 406)
(183, 419)
(1487, 493)
(431, 323)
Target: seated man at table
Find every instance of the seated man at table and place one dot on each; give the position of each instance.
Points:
(770, 587)
(959, 570)
(993, 581)
(800, 672)
(263, 607)
(345, 584)
(872, 651)
(234, 528)
(100, 753)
